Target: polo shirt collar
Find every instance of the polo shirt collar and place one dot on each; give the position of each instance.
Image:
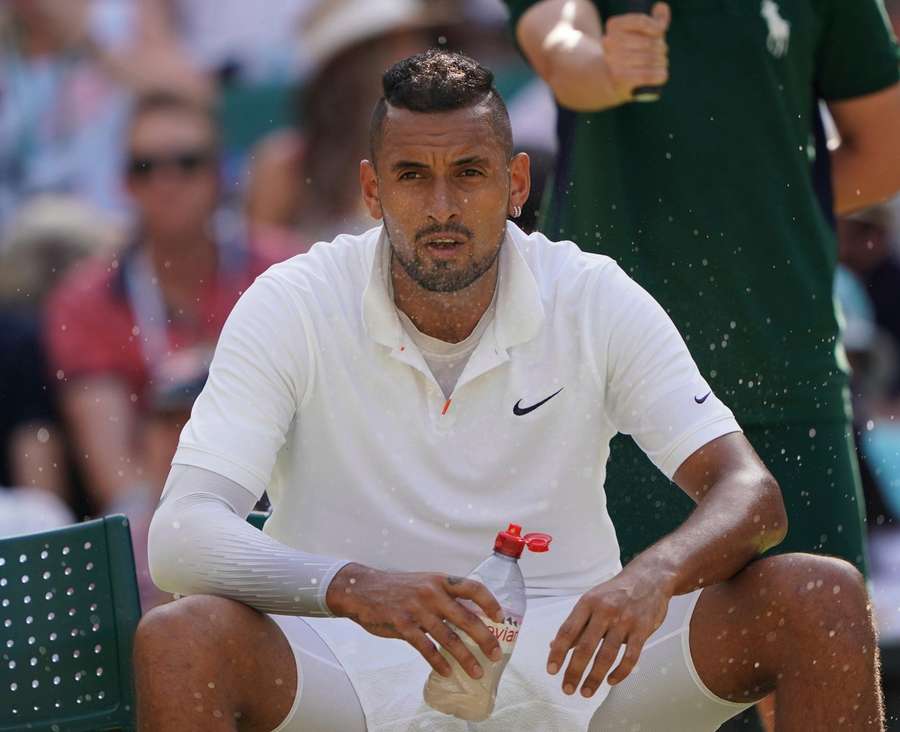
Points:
(518, 317)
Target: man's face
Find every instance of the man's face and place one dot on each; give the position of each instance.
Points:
(172, 174)
(442, 183)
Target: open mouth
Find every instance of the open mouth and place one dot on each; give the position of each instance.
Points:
(444, 246)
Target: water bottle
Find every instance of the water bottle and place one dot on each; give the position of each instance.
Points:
(459, 694)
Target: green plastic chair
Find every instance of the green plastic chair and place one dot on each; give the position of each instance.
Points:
(258, 518)
(69, 606)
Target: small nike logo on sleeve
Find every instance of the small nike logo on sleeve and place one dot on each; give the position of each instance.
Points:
(519, 411)
(702, 399)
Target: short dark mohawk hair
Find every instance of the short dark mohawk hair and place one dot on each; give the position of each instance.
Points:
(440, 81)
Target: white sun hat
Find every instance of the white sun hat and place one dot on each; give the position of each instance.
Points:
(336, 25)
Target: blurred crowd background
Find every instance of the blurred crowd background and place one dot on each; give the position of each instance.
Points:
(156, 155)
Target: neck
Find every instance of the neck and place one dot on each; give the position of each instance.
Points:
(447, 316)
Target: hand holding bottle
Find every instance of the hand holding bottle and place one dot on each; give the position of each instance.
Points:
(415, 605)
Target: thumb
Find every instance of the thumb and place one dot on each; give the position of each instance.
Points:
(662, 14)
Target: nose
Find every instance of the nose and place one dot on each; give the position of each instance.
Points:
(443, 205)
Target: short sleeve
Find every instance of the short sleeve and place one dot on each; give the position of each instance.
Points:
(257, 381)
(653, 389)
(858, 53)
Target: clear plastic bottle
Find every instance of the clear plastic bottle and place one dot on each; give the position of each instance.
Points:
(459, 694)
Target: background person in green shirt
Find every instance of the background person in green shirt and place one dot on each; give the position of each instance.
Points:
(717, 199)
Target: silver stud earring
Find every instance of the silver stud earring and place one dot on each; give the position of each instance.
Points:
(516, 212)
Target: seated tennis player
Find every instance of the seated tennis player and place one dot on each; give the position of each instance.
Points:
(403, 394)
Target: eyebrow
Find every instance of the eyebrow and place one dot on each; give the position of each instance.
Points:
(473, 159)
(408, 164)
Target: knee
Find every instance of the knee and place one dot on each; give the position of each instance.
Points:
(191, 624)
(821, 595)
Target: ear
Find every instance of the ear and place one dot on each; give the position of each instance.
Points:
(519, 180)
(368, 182)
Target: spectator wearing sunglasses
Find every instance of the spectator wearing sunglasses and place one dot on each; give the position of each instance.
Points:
(130, 336)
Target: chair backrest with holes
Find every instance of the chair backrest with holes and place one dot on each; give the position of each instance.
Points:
(69, 606)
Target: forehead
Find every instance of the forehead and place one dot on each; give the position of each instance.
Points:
(175, 126)
(465, 132)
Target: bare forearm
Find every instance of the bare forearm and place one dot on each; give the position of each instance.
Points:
(103, 425)
(578, 77)
(735, 522)
(866, 166)
(864, 177)
(588, 69)
(37, 458)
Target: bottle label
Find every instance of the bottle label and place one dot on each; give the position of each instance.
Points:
(507, 632)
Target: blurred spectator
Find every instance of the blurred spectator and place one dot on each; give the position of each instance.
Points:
(869, 248)
(60, 115)
(48, 235)
(246, 53)
(32, 449)
(236, 40)
(310, 182)
(873, 356)
(130, 336)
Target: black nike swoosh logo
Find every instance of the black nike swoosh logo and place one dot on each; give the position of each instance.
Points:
(519, 411)
(702, 399)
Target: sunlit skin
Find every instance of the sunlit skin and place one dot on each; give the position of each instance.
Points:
(440, 176)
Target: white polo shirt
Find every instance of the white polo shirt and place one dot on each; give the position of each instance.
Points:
(317, 394)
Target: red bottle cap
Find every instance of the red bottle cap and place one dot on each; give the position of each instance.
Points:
(511, 542)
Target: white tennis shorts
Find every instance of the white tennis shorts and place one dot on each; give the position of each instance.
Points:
(662, 694)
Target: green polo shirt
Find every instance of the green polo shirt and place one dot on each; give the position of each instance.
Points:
(708, 197)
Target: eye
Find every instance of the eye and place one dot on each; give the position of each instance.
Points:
(471, 173)
(410, 175)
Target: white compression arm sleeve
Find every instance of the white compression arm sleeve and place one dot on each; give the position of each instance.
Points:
(200, 542)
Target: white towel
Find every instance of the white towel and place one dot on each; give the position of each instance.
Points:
(389, 676)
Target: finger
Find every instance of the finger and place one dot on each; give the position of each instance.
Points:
(638, 23)
(567, 635)
(470, 624)
(605, 658)
(453, 644)
(662, 14)
(651, 76)
(637, 44)
(637, 48)
(477, 593)
(417, 639)
(629, 660)
(583, 652)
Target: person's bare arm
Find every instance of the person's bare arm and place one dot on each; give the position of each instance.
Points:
(37, 458)
(588, 67)
(866, 166)
(740, 513)
(102, 420)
